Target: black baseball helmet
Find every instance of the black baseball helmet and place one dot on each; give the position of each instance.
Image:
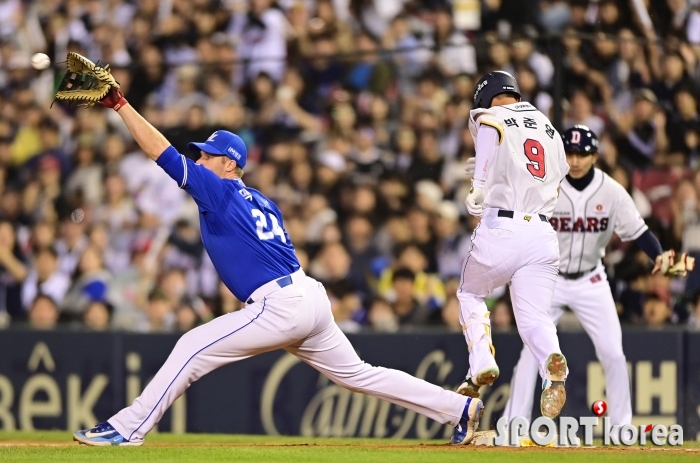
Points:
(492, 84)
(580, 139)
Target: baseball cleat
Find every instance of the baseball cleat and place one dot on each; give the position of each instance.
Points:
(553, 391)
(486, 377)
(103, 435)
(465, 430)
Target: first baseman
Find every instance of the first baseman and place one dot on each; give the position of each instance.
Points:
(244, 235)
(520, 163)
(591, 207)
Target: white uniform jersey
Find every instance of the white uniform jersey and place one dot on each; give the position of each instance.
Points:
(530, 162)
(585, 220)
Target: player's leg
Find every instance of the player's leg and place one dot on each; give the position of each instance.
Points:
(526, 372)
(274, 322)
(493, 256)
(595, 309)
(532, 290)
(329, 351)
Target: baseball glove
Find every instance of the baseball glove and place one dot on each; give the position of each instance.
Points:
(85, 82)
(671, 265)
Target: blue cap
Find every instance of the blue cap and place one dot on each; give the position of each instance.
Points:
(223, 143)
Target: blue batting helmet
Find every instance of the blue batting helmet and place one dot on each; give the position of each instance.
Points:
(492, 84)
(580, 139)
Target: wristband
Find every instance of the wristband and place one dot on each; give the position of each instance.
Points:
(120, 104)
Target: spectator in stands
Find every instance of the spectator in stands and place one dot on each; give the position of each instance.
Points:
(672, 79)
(412, 58)
(347, 308)
(363, 253)
(455, 54)
(90, 283)
(629, 71)
(450, 314)
(382, 317)
(369, 161)
(657, 312)
(644, 134)
(84, 184)
(160, 315)
(394, 234)
(71, 244)
(633, 296)
(613, 16)
(186, 315)
(98, 315)
(331, 265)
(45, 278)
(42, 195)
(409, 311)
(428, 161)
(369, 72)
(225, 302)
(686, 226)
(581, 113)
(13, 272)
(118, 213)
(499, 55)
(641, 202)
(43, 313)
(263, 39)
(531, 90)
(502, 318)
(453, 245)
(694, 316)
(324, 71)
(428, 288)
(43, 235)
(683, 129)
(524, 53)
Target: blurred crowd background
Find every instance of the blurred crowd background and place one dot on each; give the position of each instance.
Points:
(354, 113)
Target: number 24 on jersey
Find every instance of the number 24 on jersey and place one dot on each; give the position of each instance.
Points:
(261, 226)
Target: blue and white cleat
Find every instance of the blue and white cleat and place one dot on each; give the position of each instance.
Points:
(465, 430)
(102, 435)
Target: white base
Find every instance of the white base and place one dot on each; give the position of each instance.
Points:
(486, 438)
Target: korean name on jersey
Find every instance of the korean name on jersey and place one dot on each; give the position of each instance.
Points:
(530, 162)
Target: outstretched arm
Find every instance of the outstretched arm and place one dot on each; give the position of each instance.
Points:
(151, 141)
(204, 186)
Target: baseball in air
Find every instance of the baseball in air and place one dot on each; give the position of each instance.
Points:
(77, 215)
(40, 61)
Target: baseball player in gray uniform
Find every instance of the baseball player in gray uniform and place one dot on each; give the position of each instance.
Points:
(591, 207)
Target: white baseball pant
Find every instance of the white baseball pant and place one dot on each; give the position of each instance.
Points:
(297, 318)
(524, 252)
(589, 297)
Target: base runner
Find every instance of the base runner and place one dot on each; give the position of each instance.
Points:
(520, 163)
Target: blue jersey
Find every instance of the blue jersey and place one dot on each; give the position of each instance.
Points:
(242, 230)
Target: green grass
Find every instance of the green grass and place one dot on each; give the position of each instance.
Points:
(55, 446)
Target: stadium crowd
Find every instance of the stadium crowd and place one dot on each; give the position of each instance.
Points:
(354, 113)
